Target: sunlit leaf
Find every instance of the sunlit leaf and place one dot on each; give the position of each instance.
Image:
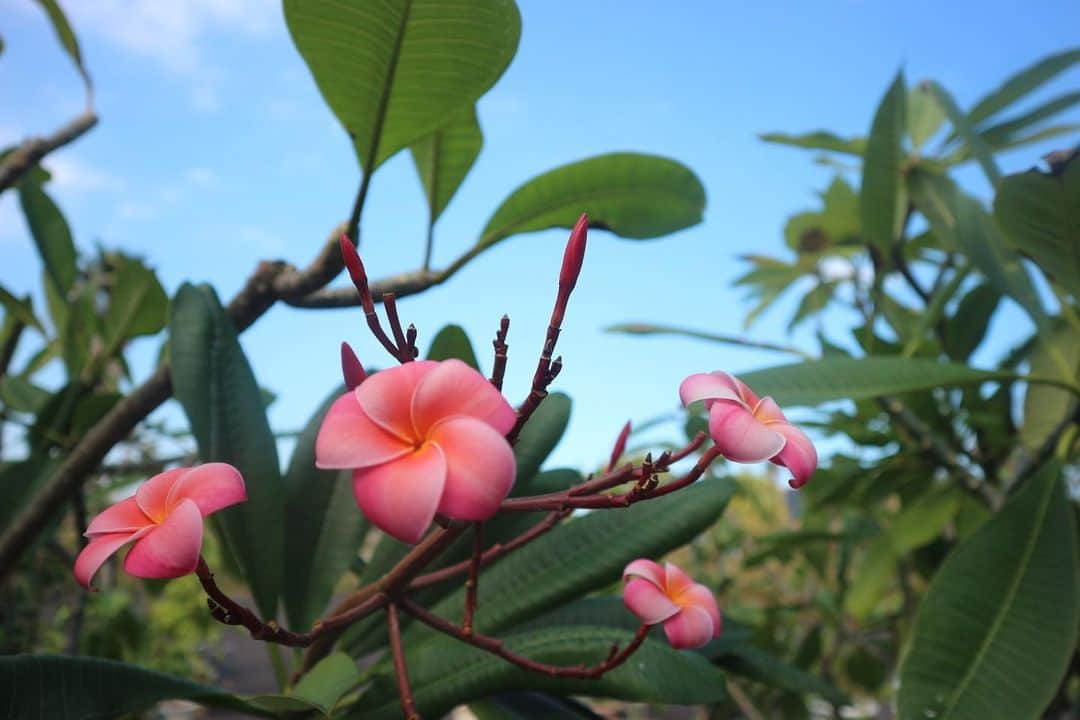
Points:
(819, 140)
(444, 158)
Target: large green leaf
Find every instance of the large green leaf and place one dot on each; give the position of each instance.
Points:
(138, 304)
(63, 687)
(65, 34)
(1040, 215)
(445, 672)
(879, 197)
(838, 378)
(964, 126)
(1008, 132)
(539, 437)
(819, 140)
(393, 71)
(217, 389)
(444, 158)
(452, 342)
(961, 223)
(326, 683)
(323, 527)
(51, 234)
(632, 195)
(1055, 355)
(530, 706)
(586, 554)
(998, 624)
(1023, 83)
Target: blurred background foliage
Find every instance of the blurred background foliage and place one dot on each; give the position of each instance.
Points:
(929, 570)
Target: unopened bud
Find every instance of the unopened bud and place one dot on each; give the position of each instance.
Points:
(575, 253)
(356, 272)
(620, 446)
(351, 369)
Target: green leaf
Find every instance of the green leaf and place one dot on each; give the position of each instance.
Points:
(871, 578)
(812, 303)
(51, 234)
(18, 483)
(632, 195)
(819, 140)
(21, 310)
(998, 624)
(1005, 133)
(445, 672)
(452, 342)
(1040, 214)
(394, 71)
(539, 437)
(1056, 355)
(839, 378)
(586, 554)
(78, 334)
(965, 130)
(651, 329)
(1023, 83)
(965, 330)
(64, 687)
(325, 684)
(444, 158)
(924, 115)
(21, 395)
(66, 36)
(217, 389)
(530, 706)
(138, 304)
(324, 527)
(960, 222)
(879, 196)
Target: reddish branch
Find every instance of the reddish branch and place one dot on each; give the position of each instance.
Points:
(498, 369)
(494, 646)
(408, 706)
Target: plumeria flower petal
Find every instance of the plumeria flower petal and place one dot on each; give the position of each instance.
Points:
(164, 520)
(665, 594)
(422, 438)
(750, 429)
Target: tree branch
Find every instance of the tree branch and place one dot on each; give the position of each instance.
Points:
(33, 150)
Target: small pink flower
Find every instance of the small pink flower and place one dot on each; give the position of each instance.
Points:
(667, 594)
(421, 438)
(165, 520)
(748, 429)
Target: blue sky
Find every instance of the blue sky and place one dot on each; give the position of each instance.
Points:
(215, 150)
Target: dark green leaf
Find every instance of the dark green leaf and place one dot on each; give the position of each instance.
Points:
(632, 195)
(838, 378)
(1056, 355)
(452, 342)
(444, 672)
(1040, 215)
(18, 482)
(1023, 83)
(65, 34)
(444, 158)
(323, 527)
(819, 140)
(965, 330)
(51, 234)
(78, 333)
(394, 71)
(880, 196)
(530, 706)
(998, 625)
(217, 389)
(21, 310)
(62, 687)
(21, 395)
(325, 684)
(539, 437)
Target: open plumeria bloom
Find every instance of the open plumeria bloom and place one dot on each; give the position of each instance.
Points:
(422, 438)
(750, 429)
(666, 594)
(165, 521)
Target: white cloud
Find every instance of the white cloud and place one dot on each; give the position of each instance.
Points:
(76, 176)
(174, 34)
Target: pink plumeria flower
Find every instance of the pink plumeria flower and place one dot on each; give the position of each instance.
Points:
(749, 429)
(666, 594)
(421, 438)
(165, 521)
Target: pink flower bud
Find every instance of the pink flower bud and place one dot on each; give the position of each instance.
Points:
(351, 369)
(574, 255)
(356, 272)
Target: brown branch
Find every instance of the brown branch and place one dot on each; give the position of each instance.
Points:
(490, 555)
(270, 282)
(402, 285)
(473, 582)
(33, 150)
(408, 705)
(494, 646)
(498, 369)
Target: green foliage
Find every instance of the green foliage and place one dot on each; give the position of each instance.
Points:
(217, 389)
(444, 158)
(372, 63)
(452, 342)
(51, 234)
(879, 198)
(632, 195)
(66, 35)
(1006, 604)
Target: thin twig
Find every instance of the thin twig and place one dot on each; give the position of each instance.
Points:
(408, 705)
(494, 646)
(473, 581)
(498, 369)
(33, 150)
